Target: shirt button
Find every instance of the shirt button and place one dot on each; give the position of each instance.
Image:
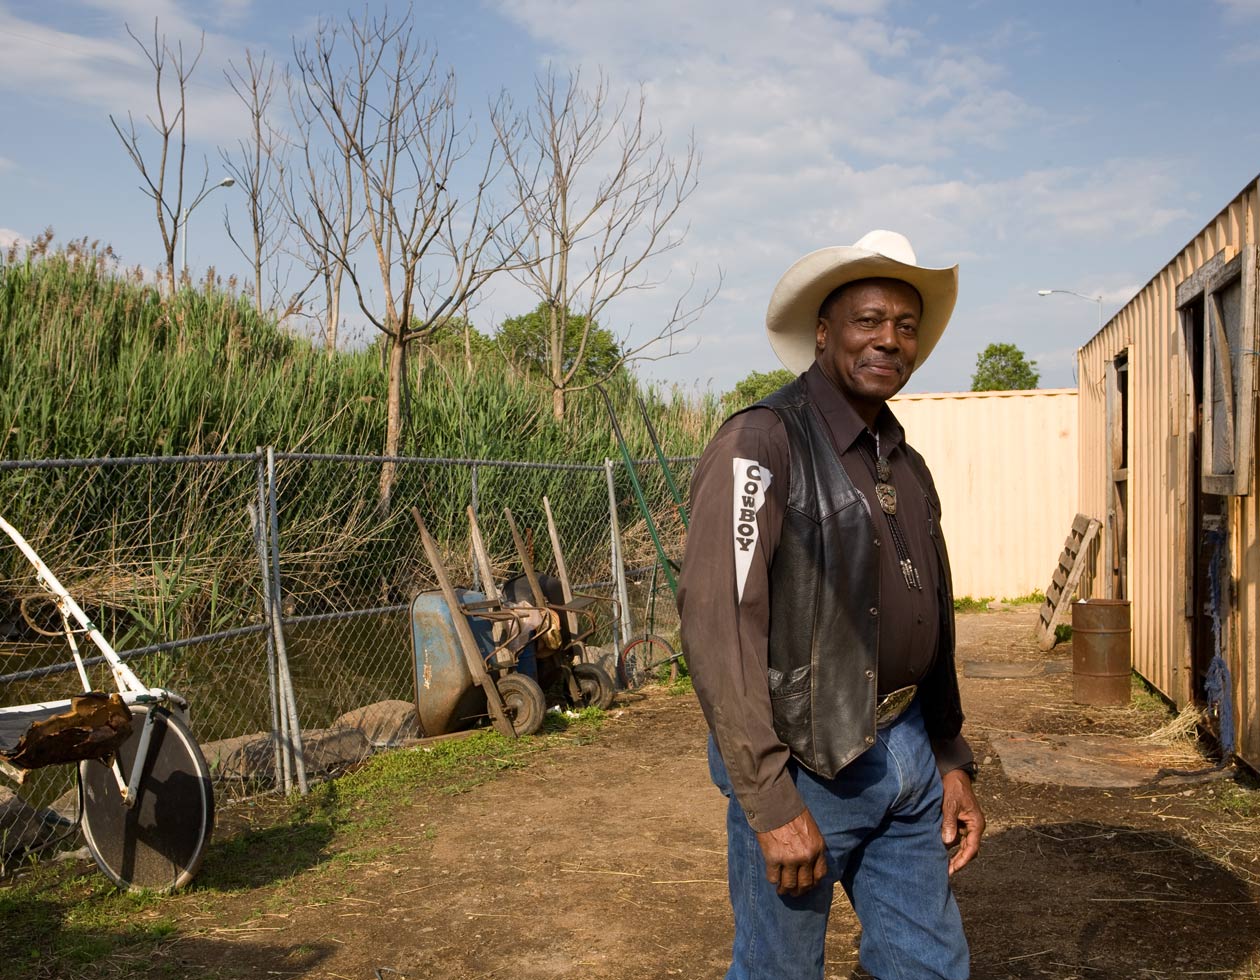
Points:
(870, 739)
(877, 542)
(873, 611)
(870, 674)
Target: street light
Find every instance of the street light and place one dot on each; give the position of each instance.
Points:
(183, 220)
(1072, 292)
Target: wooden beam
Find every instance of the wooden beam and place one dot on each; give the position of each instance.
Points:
(482, 557)
(522, 552)
(562, 570)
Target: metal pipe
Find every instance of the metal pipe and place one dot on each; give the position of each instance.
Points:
(660, 455)
(287, 697)
(666, 564)
(618, 565)
(277, 725)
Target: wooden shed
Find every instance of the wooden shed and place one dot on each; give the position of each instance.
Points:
(1168, 458)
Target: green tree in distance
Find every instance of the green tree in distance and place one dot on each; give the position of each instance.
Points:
(754, 387)
(1003, 367)
(455, 338)
(526, 340)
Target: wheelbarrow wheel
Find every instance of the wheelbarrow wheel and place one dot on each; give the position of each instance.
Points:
(596, 685)
(523, 702)
(642, 661)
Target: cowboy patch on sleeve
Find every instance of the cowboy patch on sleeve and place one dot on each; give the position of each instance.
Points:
(751, 480)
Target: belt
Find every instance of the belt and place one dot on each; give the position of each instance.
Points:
(892, 705)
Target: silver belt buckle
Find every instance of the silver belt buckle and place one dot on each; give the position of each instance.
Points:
(892, 705)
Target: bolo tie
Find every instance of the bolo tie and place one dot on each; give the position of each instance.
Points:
(886, 494)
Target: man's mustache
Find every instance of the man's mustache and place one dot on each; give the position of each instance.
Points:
(883, 362)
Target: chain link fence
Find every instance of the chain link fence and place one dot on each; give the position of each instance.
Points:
(273, 590)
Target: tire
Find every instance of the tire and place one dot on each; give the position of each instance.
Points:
(523, 702)
(596, 685)
(641, 661)
(159, 843)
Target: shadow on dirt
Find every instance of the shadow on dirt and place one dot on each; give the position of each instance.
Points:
(254, 858)
(1103, 901)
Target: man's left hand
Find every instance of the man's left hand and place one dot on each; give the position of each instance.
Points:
(962, 821)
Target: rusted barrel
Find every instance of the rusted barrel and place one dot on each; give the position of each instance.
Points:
(1101, 654)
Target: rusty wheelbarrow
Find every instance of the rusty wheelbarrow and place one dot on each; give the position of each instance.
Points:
(473, 657)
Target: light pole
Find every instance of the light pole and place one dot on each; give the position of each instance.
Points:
(183, 219)
(1072, 292)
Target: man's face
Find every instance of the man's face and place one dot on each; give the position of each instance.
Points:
(868, 340)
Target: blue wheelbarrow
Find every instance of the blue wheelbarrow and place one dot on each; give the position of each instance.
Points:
(479, 656)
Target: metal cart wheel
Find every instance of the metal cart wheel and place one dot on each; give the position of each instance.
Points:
(523, 702)
(641, 661)
(596, 685)
(157, 844)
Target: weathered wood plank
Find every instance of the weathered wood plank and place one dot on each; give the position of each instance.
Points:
(1054, 608)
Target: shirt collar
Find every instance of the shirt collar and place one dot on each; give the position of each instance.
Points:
(842, 418)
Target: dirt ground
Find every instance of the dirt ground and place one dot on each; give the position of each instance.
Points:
(606, 860)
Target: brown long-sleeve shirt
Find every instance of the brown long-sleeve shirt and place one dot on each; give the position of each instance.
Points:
(724, 596)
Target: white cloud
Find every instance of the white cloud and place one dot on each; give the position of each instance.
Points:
(1240, 9)
(819, 123)
(6, 165)
(9, 238)
(101, 68)
(1244, 54)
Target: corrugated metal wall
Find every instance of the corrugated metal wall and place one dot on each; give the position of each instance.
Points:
(1005, 464)
(1159, 413)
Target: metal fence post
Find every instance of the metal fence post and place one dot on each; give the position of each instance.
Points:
(618, 566)
(476, 566)
(282, 656)
(278, 739)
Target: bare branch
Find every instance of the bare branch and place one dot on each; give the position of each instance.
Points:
(601, 197)
(170, 125)
(388, 186)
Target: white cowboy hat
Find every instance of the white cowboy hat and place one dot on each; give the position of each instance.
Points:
(792, 318)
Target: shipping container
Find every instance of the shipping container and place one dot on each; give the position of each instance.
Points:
(1005, 467)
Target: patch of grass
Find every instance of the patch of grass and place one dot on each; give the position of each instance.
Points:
(53, 915)
(390, 779)
(1240, 798)
(1062, 633)
(682, 685)
(1146, 698)
(966, 603)
(1034, 598)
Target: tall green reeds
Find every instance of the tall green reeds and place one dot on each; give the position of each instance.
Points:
(95, 363)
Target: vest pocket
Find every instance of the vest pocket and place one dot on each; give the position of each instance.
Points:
(790, 703)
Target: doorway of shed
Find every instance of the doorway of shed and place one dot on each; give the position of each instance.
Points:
(1116, 533)
(1207, 515)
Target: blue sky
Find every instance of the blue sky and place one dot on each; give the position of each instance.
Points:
(1073, 146)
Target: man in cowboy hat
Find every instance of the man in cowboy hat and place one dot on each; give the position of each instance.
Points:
(817, 619)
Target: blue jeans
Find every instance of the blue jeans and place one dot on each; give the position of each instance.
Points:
(881, 820)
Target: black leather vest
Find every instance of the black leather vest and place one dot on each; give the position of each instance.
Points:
(824, 604)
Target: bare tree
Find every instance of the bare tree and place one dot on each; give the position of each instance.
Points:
(170, 124)
(256, 165)
(600, 196)
(391, 112)
(320, 199)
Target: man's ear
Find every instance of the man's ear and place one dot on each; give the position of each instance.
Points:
(820, 335)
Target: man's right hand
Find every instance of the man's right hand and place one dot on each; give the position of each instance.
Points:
(795, 854)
